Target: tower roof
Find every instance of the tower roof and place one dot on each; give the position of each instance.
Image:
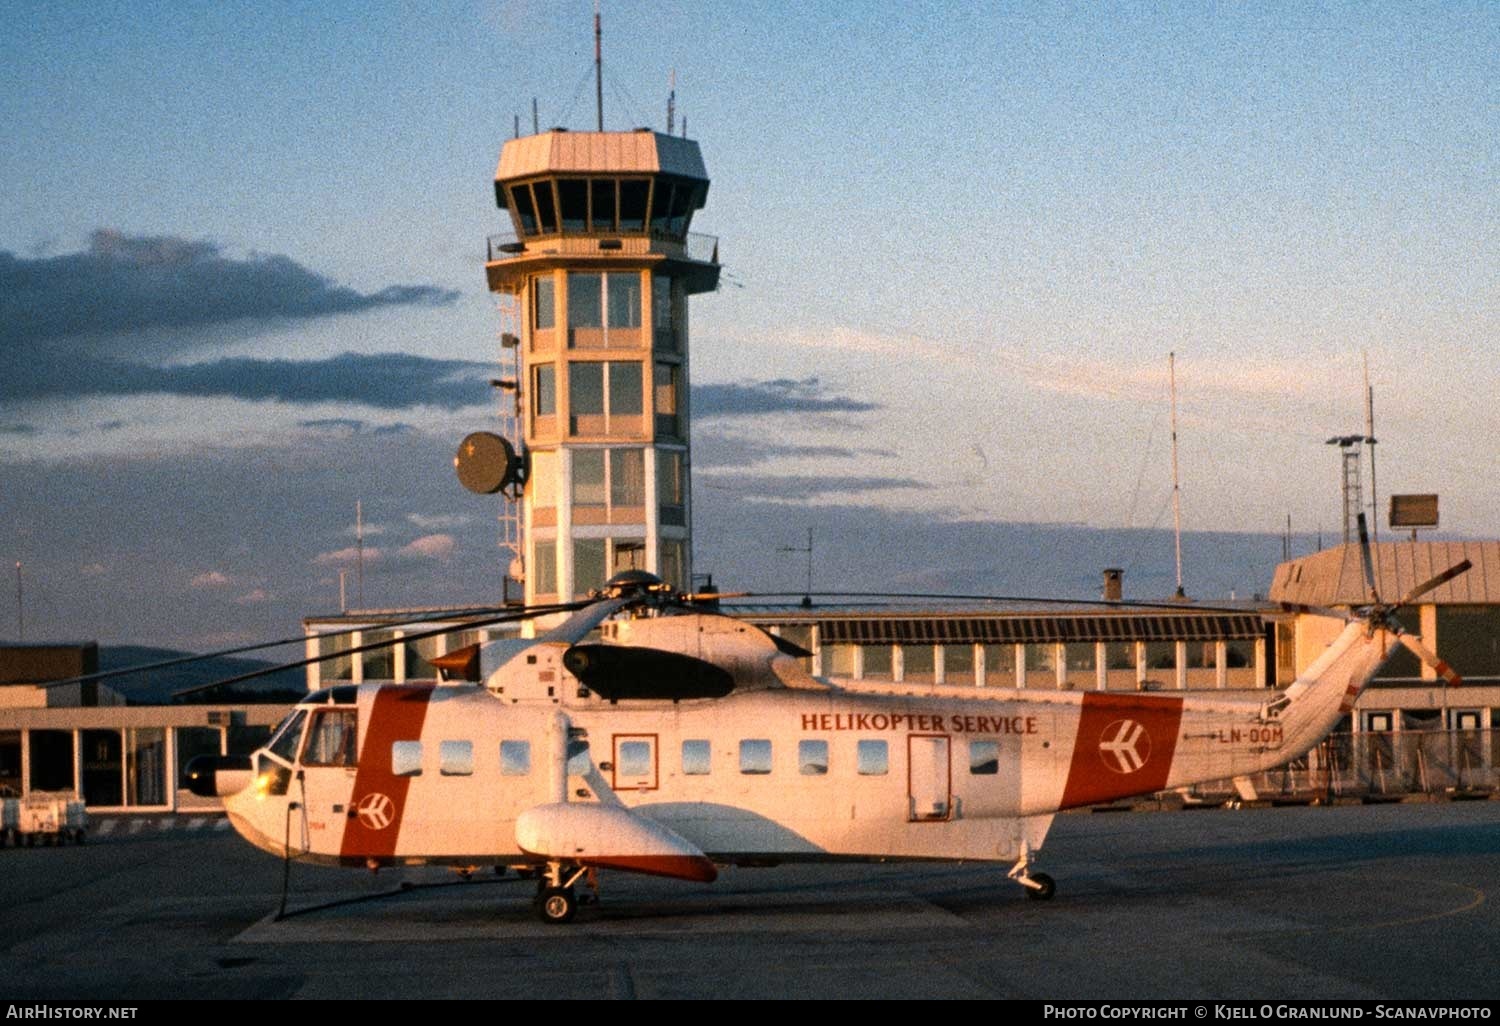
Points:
(641, 151)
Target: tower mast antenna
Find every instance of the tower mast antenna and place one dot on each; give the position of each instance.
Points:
(1370, 442)
(1176, 490)
(598, 66)
(671, 100)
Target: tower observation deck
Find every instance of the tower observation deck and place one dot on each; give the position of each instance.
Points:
(600, 263)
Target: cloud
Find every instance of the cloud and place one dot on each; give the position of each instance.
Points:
(715, 450)
(782, 395)
(345, 426)
(254, 596)
(382, 380)
(17, 429)
(435, 522)
(348, 557)
(93, 570)
(72, 326)
(802, 487)
(430, 546)
(211, 579)
(127, 284)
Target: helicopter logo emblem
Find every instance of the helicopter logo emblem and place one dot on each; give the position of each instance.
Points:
(1124, 746)
(376, 810)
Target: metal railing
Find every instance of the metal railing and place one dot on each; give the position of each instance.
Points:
(1382, 765)
(697, 247)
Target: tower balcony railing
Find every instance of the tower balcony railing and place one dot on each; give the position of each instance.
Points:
(697, 247)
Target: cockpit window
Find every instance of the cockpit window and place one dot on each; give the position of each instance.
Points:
(284, 741)
(331, 741)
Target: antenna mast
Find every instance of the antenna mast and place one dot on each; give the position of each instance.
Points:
(1370, 441)
(598, 66)
(671, 100)
(359, 552)
(1176, 490)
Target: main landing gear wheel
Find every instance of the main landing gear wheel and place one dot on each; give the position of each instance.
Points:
(556, 905)
(1046, 887)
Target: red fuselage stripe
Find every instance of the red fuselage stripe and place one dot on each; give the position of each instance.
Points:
(397, 714)
(1124, 746)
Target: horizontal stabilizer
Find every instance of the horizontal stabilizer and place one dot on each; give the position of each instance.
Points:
(610, 837)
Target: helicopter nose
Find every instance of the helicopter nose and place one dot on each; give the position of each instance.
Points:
(215, 776)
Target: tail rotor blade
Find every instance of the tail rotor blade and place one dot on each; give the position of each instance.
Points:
(1442, 578)
(1297, 607)
(1430, 657)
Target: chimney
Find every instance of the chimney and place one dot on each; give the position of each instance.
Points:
(1114, 584)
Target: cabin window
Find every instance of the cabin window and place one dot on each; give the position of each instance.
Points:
(812, 758)
(515, 758)
(406, 759)
(634, 759)
(331, 740)
(287, 736)
(874, 758)
(755, 757)
(695, 758)
(984, 758)
(456, 758)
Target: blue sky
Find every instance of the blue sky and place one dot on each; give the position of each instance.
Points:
(972, 233)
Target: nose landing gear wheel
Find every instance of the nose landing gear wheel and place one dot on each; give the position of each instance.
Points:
(1044, 892)
(556, 905)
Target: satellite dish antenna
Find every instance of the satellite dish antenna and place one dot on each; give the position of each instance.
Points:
(486, 463)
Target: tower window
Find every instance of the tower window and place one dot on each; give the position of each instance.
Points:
(662, 327)
(544, 390)
(521, 203)
(544, 567)
(671, 488)
(605, 397)
(668, 388)
(543, 303)
(604, 204)
(573, 198)
(634, 193)
(584, 295)
(546, 208)
(588, 563)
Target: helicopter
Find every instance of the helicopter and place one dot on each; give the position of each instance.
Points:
(647, 733)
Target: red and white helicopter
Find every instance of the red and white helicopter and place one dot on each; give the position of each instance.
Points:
(649, 736)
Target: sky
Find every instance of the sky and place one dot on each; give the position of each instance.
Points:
(241, 288)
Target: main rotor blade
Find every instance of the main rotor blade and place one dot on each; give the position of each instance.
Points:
(294, 640)
(1181, 607)
(1443, 578)
(526, 614)
(1366, 560)
(590, 615)
(1430, 657)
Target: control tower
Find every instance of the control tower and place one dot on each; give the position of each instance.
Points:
(597, 272)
